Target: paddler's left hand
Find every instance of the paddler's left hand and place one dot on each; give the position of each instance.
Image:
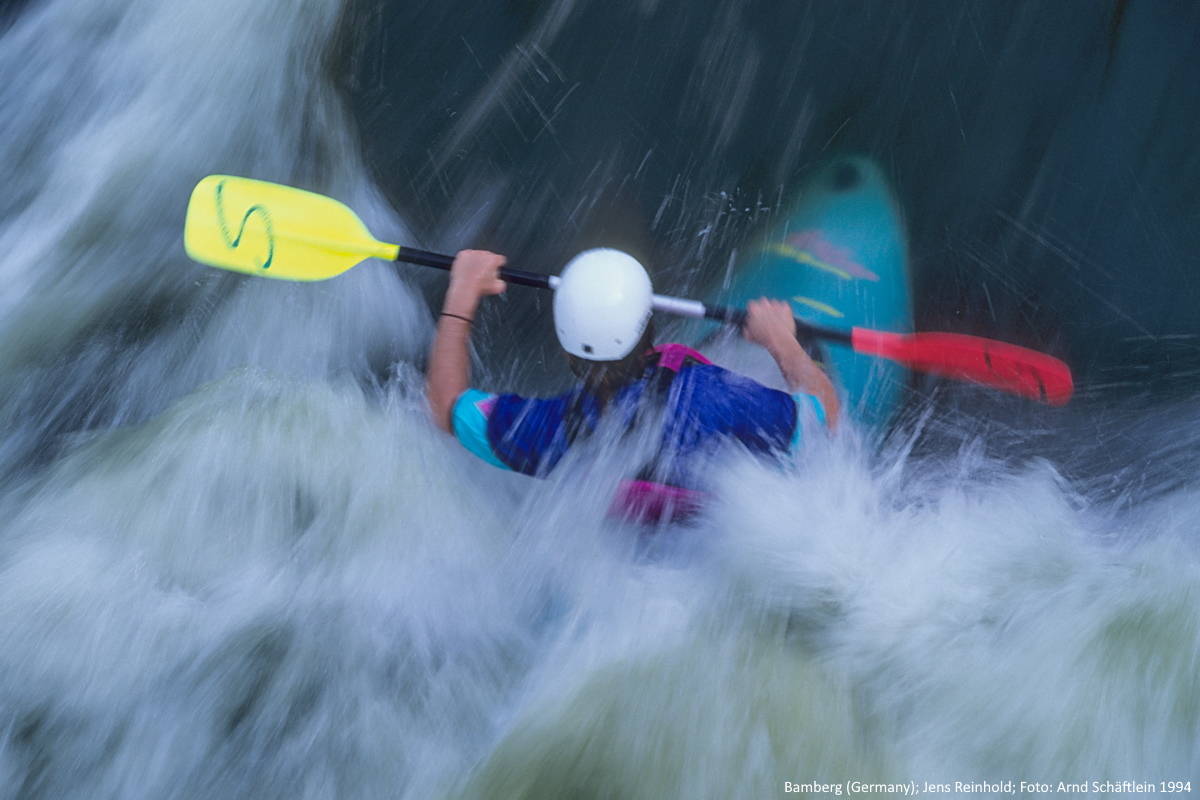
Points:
(473, 275)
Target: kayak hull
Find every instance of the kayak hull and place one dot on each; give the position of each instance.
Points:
(838, 254)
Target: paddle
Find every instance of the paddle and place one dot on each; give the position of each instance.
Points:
(280, 232)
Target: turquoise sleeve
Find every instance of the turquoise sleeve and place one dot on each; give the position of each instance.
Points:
(803, 402)
(470, 421)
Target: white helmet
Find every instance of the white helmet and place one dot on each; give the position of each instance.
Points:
(602, 304)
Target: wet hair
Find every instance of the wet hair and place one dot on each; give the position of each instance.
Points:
(605, 378)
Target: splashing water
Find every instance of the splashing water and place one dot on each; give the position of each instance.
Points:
(105, 320)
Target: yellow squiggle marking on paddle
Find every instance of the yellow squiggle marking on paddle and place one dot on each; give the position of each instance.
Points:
(819, 306)
(805, 257)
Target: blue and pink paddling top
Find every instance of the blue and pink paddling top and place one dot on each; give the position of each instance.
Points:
(704, 405)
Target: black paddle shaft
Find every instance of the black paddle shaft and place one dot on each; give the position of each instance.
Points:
(804, 330)
(724, 314)
(424, 258)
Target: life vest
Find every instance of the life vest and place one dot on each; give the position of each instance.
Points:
(645, 500)
(531, 435)
(704, 404)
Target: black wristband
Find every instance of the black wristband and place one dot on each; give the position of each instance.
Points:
(467, 320)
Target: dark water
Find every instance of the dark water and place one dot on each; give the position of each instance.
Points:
(1044, 152)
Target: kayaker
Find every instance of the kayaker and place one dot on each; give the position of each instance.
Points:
(602, 315)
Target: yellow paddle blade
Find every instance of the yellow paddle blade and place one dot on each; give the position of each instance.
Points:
(275, 231)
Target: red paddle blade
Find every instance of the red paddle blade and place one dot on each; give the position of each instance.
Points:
(1002, 366)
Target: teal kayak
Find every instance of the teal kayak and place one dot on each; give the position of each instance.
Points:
(839, 256)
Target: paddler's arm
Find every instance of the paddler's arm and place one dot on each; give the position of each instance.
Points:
(475, 274)
(770, 323)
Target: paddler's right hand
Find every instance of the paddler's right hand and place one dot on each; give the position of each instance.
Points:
(473, 275)
(769, 323)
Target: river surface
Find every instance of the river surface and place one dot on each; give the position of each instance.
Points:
(238, 561)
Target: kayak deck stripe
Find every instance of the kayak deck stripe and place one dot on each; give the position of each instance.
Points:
(819, 306)
(804, 257)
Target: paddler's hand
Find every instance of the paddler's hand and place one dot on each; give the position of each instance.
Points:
(769, 323)
(473, 275)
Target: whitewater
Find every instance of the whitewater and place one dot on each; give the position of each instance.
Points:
(238, 561)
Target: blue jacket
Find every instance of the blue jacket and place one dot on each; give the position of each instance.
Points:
(703, 405)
